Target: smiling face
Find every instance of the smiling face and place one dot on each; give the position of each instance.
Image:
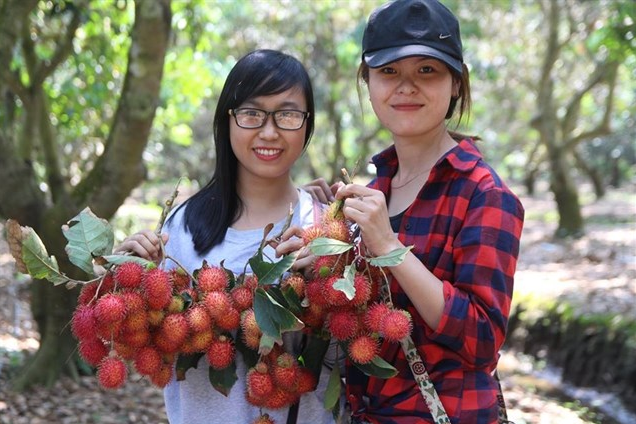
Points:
(268, 153)
(411, 96)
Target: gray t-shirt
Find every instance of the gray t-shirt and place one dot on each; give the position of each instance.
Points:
(194, 400)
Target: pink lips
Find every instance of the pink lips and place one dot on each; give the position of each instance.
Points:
(406, 107)
(267, 154)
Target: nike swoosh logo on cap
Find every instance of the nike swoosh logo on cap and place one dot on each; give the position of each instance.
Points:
(443, 37)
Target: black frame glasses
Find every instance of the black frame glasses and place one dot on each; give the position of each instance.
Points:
(286, 119)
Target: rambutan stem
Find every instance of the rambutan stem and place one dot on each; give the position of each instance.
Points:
(182, 267)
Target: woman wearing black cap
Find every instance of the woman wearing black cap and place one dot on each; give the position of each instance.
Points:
(433, 191)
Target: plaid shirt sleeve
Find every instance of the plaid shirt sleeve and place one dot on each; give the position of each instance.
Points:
(465, 227)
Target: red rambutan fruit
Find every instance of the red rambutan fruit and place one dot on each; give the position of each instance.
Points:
(264, 419)
(162, 377)
(363, 290)
(251, 333)
(176, 304)
(296, 281)
(280, 398)
(307, 381)
(129, 275)
(217, 303)
(396, 325)
(285, 371)
(198, 318)
(135, 321)
(343, 324)
(211, 278)
(83, 322)
(338, 230)
(258, 380)
(110, 308)
(201, 340)
(180, 279)
(229, 321)
(155, 317)
(312, 232)
(93, 350)
(363, 349)
(112, 372)
(137, 338)
(174, 328)
(242, 297)
(251, 281)
(147, 360)
(374, 316)
(157, 288)
(221, 352)
(334, 296)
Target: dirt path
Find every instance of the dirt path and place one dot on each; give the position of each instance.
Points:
(597, 272)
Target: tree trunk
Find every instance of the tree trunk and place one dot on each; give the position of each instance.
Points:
(565, 195)
(118, 170)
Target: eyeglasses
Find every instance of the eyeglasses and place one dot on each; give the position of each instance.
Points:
(285, 119)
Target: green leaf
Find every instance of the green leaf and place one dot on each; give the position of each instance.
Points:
(313, 354)
(38, 263)
(272, 318)
(185, 362)
(332, 394)
(323, 246)
(378, 367)
(120, 259)
(345, 284)
(88, 237)
(223, 380)
(393, 258)
(268, 273)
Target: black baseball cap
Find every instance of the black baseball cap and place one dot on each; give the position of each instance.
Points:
(406, 28)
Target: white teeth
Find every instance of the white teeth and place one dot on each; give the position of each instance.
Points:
(267, 152)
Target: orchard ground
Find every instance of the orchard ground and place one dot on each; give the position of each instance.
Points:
(597, 273)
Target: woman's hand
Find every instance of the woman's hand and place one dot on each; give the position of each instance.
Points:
(367, 208)
(145, 244)
(292, 241)
(321, 191)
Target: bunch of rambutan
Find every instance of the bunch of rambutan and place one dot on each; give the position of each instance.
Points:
(357, 320)
(278, 380)
(146, 317)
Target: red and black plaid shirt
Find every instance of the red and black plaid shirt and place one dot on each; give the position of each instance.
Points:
(465, 226)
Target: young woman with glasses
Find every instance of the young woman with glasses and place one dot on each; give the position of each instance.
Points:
(262, 125)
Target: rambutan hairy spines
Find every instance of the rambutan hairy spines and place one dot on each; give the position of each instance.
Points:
(250, 332)
(338, 230)
(363, 290)
(374, 316)
(230, 320)
(217, 303)
(83, 322)
(198, 318)
(176, 305)
(157, 288)
(259, 381)
(221, 352)
(112, 372)
(162, 377)
(129, 275)
(296, 281)
(264, 419)
(110, 308)
(180, 279)
(312, 232)
(285, 371)
(363, 349)
(396, 325)
(343, 324)
(211, 279)
(147, 360)
(242, 297)
(93, 350)
(175, 328)
(307, 381)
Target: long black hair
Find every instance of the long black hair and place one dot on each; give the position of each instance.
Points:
(214, 208)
